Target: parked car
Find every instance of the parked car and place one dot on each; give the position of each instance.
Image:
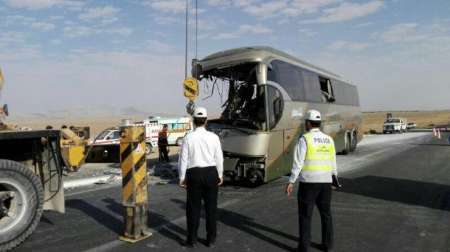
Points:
(395, 125)
(108, 136)
(411, 125)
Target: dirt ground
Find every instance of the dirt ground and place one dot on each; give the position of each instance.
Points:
(423, 119)
(372, 120)
(96, 124)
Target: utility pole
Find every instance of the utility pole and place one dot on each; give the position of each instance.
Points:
(186, 45)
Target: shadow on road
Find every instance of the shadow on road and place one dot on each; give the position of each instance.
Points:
(100, 216)
(115, 223)
(248, 225)
(410, 192)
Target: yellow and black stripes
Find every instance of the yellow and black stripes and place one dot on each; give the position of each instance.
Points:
(133, 165)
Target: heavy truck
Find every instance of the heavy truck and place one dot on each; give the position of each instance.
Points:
(31, 169)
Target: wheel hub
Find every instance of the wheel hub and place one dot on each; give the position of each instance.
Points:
(5, 202)
(13, 204)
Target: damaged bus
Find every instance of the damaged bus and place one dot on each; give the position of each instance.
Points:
(268, 94)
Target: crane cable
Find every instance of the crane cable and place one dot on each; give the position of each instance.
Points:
(196, 28)
(187, 36)
(186, 44)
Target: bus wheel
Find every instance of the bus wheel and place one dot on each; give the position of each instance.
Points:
(148, 149)
(21, 202)
(347, 140)
(255, 177)
(354, 141)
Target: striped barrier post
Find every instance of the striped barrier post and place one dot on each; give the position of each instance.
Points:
(134, 183)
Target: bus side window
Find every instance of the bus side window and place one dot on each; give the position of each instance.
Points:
(327, 89)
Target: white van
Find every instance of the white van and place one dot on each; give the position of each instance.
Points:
(177, 129)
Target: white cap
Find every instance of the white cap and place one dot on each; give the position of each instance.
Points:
(200, 112)
(313, 115)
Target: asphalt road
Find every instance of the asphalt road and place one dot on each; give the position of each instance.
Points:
(396, 197)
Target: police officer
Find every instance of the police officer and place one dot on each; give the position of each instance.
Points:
(201, 173)
(315, 166)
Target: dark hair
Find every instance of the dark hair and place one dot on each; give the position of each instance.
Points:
(165, 126)
(314, 124)
(199, 121)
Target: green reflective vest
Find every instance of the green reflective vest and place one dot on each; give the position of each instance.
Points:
(320, 153)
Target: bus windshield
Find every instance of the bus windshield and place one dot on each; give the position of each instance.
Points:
(244, 105)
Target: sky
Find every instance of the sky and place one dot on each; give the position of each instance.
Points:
(110, 56)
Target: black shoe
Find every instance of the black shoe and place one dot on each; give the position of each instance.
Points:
(189, 244)
(210, 242)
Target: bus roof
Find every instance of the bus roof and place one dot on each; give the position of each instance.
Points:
(258, 54)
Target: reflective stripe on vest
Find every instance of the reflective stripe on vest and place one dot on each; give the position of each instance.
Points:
(320, 153)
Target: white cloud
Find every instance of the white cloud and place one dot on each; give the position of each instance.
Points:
(244, 30)
(159, 47)
(14, 46)
(348, 45)
(43, 26)
(106, 13)
(168, 6)
(347, 11)
(122, 31)
(21, 54)
(363, 25)
(18, 19)
(307, 32)
(42, 4)
(165, 20)
(267, 9)
(401, 32)
(416, 34)
(299, 7)
(228, 3)
(11, 38)
(78, 31)
(56, 17)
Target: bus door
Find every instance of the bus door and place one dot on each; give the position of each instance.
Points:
(276, 158)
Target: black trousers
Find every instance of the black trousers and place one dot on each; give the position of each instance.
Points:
(201, 184)
(163, 154)
(310, 194)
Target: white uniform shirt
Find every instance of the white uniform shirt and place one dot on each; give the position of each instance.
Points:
(200, 148)
(299, 160)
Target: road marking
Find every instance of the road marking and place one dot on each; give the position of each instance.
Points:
(97, 188)
(113, 244)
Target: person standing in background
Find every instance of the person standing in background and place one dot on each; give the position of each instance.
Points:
(163, 144)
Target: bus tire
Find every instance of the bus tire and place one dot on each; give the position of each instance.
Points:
(255, 177)
(354, 141)
(25, 205)
(347, 140)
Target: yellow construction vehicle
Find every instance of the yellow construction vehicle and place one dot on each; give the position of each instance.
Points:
(73, 146)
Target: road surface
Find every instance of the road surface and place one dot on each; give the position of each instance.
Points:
(396, 197)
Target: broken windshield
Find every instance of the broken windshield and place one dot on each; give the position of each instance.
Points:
(244, 104)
